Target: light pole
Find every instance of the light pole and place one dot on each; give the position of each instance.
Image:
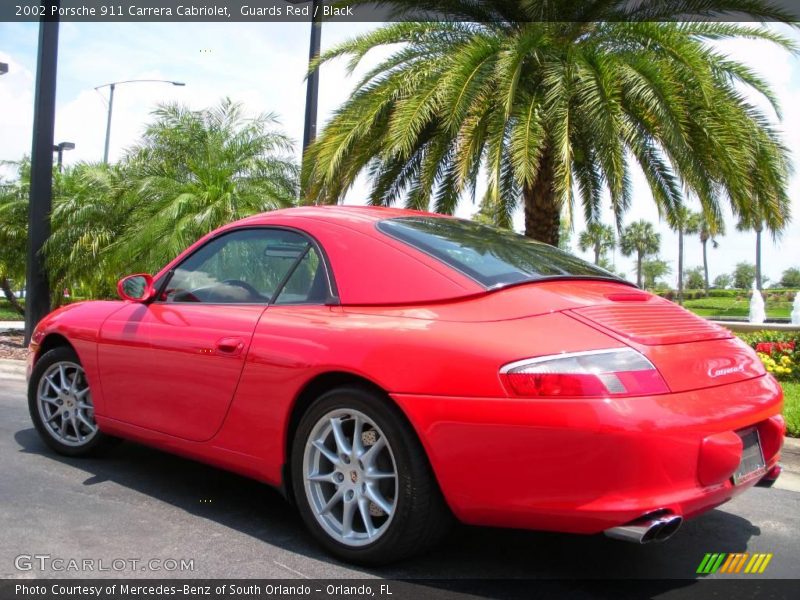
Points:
(312, 87)
(113, 86)
(61, 148)
(37, 287)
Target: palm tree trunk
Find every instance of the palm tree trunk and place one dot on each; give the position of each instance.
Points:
(639, 269)
(758, 258)
(542, 212)
(5, 285)
(680, 266)
(597, 253)
(705, 266)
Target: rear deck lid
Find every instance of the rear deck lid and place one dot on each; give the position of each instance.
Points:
(650, 320)
(690, 352)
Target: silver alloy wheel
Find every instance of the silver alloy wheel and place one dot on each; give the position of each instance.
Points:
(350, 477)
(65, 404)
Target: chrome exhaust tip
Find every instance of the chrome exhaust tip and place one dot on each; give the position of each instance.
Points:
(649, 528)
(670, 526)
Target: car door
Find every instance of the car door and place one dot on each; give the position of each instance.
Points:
(173, 365)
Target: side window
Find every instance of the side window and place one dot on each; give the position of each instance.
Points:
(244, 266)
(308, 283)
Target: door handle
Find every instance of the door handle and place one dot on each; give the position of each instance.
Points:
(230, 346)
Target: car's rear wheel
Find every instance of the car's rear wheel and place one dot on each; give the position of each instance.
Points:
(361, 479)
(60, 404)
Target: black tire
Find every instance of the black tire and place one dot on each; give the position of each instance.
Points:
(98, 443)
(421, 517)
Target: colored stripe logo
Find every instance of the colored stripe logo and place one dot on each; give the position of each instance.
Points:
(737, 562)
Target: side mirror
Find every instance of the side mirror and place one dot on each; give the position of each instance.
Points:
(136, 288)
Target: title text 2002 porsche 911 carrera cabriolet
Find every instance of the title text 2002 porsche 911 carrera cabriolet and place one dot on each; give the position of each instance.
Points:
(391, 369)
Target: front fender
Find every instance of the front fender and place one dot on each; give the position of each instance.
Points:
(79, 324)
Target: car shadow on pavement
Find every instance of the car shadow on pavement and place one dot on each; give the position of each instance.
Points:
(468, 553)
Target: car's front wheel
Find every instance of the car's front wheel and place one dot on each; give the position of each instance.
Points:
(60, 404)
(361, 479)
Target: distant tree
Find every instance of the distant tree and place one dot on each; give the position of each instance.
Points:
(755, 217)
(14, 231)
(609, 266)
(694, 278)
(640, 238)
(565, 236)
(683, 222)
(654, 269)
(599, 238)
(710, 229)
(723, 281)
(743, 275)
(753, 222)
(790, 278)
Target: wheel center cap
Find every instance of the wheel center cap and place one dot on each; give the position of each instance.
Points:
(353, 476)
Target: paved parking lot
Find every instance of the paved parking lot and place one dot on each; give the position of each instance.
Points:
(142, 504)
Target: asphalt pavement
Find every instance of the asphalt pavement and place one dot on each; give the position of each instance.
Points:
(141, 504)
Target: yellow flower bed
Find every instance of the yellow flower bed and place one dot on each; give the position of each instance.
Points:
(782, 366)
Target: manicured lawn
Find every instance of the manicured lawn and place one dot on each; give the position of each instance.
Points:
(791, 407)
(732, 307)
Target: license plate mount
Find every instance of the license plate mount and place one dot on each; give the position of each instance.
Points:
(752, 464)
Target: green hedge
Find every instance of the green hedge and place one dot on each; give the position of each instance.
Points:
(773, 295)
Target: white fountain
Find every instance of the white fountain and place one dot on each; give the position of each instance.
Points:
(757, 313)
(796, 309)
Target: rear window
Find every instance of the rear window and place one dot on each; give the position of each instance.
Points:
(492, 257)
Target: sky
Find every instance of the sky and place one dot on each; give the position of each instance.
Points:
(262, 66)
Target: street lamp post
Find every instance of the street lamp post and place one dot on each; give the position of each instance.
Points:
(312, 87)
(113, 86)
(37, 287)
(60, 149)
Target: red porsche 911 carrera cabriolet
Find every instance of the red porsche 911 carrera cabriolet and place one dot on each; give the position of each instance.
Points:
(391, 369)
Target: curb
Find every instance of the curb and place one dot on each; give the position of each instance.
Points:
(790, 455)
(12, 369)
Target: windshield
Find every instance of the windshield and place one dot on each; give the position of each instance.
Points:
(492, 257)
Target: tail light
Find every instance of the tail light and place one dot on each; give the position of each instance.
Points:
(616, 372)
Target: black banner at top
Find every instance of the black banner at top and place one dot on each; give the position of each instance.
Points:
(483, 11)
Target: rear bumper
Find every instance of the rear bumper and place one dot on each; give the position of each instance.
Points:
(583, 466)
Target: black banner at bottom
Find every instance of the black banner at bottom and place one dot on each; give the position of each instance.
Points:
(358, 589)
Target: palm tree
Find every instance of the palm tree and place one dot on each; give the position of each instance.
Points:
(654, 269)
(753, 221)
(193, 171)
(684, 222)
(91, 209)
(14, 231)
(86, 218)
(639, 238)
(599, 238)
(709, 230)
(551, 105)
(759, 214)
